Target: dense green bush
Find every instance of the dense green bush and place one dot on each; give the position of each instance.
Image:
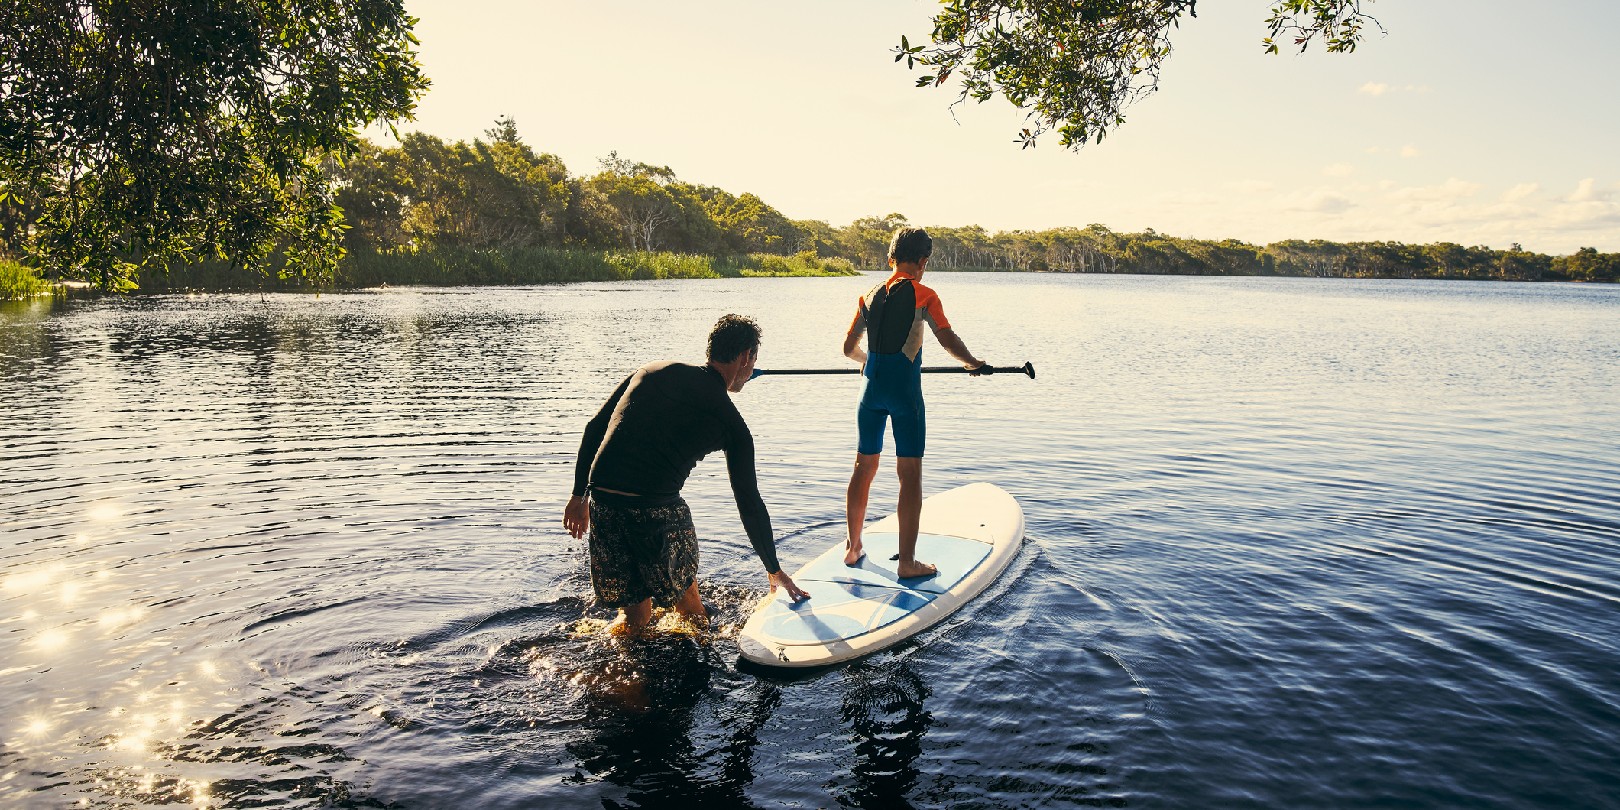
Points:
(18, 281)
(449, 266)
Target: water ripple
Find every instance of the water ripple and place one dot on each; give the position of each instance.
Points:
(1303, 543)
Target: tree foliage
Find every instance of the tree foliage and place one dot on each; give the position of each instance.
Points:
(499, 211)
(1096, 249)
(1587, 264)
(1075, 65)
(439, 197)
(501, 194)
(136, 134)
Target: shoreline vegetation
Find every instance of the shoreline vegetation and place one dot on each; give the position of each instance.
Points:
(18, 281)
(448, 266)
(495, 211)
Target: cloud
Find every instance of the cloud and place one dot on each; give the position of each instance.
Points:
(1339, 170)
(1587, 217)
(1385, 88)
(1520, 192)
(1252, 186)
(1451, 190)
(1587, 191)
(1189, 197)
(1320, 201)
(1409, 151)
(1458, 209)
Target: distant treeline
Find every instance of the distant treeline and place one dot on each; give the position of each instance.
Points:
(495, 211)
(500, 196)
(1095, 249)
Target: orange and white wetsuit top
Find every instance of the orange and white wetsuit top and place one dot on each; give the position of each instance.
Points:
(893, 315)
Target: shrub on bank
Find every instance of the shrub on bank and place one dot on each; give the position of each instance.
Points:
(805, 263)
(445, 266)
(450, 266)
(18, 281)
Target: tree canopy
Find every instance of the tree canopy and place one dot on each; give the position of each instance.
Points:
(503, 197)
(1076, 66)
(142, 133)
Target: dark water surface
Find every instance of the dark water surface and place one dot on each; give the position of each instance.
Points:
(1292, 543)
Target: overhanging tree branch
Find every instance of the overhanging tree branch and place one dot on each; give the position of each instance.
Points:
(1075, 65)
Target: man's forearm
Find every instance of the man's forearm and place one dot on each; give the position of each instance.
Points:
(582, 463)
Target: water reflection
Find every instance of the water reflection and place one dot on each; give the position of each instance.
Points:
(883, 709)
(53, 639)
(642, 709)
(244, 503)
(34, 580)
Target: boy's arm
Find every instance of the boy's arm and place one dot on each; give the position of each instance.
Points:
(954, 346)
(852, 340)
(934, 314)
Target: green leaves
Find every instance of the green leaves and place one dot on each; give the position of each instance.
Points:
(908, 52)
(1075, 66)
(147, 135)
(1338, 23)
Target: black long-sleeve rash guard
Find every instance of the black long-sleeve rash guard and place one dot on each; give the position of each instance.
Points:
(655, 428)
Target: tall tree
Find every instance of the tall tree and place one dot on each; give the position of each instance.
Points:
(481, 195)
(1075, 65)
(640, 197)
(146, 132)
(866, 240)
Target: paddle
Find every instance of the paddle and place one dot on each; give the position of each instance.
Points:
(1027, 368)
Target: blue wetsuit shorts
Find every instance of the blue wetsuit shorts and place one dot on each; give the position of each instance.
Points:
(892, 392)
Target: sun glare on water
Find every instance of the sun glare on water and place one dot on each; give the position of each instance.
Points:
(34, 580)
(105, 512)
(53, 639)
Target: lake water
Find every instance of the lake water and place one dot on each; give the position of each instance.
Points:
(1291, 543)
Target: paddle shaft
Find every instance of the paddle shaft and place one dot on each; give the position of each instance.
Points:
(1026, 369)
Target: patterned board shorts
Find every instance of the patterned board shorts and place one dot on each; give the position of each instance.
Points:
(640, 552)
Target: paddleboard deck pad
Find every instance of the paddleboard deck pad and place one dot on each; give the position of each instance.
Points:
(971, 533)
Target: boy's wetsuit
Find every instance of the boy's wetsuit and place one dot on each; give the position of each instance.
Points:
(893, 314)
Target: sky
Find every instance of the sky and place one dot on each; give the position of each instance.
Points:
(1482, 122)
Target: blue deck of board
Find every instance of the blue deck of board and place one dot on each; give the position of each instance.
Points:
(847, 602)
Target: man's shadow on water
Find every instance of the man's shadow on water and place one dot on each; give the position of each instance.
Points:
(643, 734)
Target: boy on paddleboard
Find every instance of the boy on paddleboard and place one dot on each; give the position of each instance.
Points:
(892, 316)
(633, 460)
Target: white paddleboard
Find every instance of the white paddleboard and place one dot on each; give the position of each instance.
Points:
(971, 533)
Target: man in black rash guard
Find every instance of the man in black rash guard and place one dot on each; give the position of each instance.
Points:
(637, 453)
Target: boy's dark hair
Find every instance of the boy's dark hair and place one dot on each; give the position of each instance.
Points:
(733, 335)
(910, 245)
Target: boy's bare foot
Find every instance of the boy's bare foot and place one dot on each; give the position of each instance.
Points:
(911, 569)
(852, 553)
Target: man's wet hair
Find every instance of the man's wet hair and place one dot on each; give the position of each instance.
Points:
(910, 245)
(733, 335)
